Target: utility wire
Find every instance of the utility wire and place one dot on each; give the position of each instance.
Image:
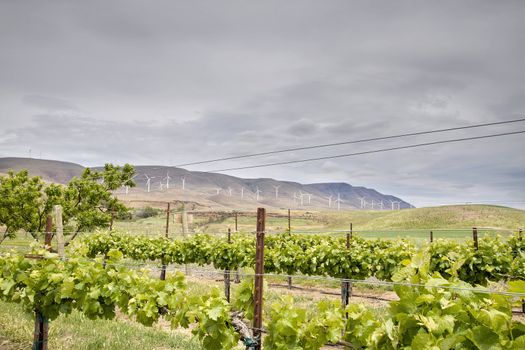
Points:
(368, 152)
(352, 142)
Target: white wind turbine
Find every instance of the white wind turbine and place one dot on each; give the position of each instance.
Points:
(372, 204)
(128, 181)
(276, 191)
(167, 178)
(362, 199)
(161, 185)
(242, 193)
(309, 197)
(301, 196)
(381, 205)
(393, 203)
(295, 197)
(148, 182)
(183, 179)
(338, 201)
(258, 192)
(218, 190)
(229, 191)
(330, 200)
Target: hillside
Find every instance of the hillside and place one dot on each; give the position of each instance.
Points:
(218, 191)
(49, 170)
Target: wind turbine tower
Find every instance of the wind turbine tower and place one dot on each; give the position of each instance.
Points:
(148, 181)
(338, 201)
(230, 191)
(330, 200)
(167, 178)
(276, 191)
(362, 199)
(183, 179)
(218, 191)
(257, 193)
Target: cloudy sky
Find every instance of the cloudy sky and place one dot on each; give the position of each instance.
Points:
(170, 82)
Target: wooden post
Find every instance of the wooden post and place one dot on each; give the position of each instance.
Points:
(227, 272)
(49, 232)
(41, 321)
(475, 237)
(431, 236)
(236, 222)
(259, 271)
(184, 221)
(168, 220)
(59, 231)
(346, 286)
(519, 233)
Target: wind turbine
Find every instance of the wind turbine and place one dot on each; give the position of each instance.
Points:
(148, 182)
(309, 197)
(338, 201)
(276, 191)
(218, 191)
(167, 178)
(362, 199)
(242, 193)
(183, 179)
(161, 185)
(258, 192)
(230, 191)
(330, 200)
(372, 204)
(295, 199)
(301, 194)
(393, 204)
(381, 205)
(127, 186)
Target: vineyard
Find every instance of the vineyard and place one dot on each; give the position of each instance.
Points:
(450, 295)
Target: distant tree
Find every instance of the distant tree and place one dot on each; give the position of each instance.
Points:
(88, 201)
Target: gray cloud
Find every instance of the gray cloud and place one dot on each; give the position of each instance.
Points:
(174, 82)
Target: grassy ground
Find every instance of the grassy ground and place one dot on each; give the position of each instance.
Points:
(454, 222)
(77, 332)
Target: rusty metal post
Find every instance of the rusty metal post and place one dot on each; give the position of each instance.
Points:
(41, 321)
(259, 271)
(227, 272)
(475, 237)
(168, 220)
(289, 222)
(431, 236)
(346, 286)
(49, 232)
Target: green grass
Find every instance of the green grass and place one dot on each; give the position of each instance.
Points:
(75, 331)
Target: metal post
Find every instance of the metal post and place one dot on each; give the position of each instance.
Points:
(289, 222)
(259, 271)
(168, 220)
(346, 286)
(41, 321)
(163, 271)
(475, 237)
(236, 222)
(227, 272)
(431, 236)
(49, 232)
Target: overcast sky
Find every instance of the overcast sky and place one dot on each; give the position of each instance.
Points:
(169, 82)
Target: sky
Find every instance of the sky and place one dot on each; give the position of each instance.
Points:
(171, 82)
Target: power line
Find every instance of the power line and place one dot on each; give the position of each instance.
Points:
(368, 152)
(352, 142)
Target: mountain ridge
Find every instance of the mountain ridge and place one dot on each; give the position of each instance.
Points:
(220, 191)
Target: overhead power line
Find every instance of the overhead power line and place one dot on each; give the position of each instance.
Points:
(368, 152)
(352, 142)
